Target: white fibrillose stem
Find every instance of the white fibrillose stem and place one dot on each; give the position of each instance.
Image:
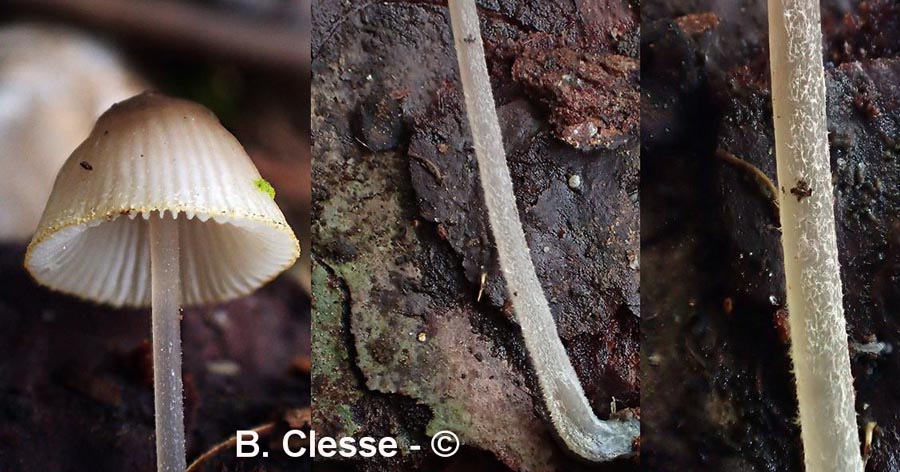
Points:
(819, 345)
(573, 419)
(165, 283)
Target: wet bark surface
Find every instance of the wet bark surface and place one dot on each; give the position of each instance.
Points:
(716, 339)
(413, 332)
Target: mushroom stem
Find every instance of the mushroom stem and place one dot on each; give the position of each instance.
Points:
(572, 417)
(819, 345)
(165, 283)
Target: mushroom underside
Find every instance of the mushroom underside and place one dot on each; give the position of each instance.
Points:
(108, 260)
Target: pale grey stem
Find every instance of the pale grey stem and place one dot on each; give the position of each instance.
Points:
(819, 345)
(167, 387)
(573, 419)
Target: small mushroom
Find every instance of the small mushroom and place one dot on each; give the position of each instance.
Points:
(54, 83)
(171, 212)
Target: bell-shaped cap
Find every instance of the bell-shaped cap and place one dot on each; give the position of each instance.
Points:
(156, 156)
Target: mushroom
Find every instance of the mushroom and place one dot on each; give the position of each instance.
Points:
(54, 83)
(819, 342)
(160, 206)
(570, 412)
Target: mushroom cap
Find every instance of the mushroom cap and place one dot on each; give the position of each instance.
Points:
(54, 83)
(150, 155)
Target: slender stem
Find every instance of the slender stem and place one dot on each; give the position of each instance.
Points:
(571, 414)
(166, 297)
(819, 345)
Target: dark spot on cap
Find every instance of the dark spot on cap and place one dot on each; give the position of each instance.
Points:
(86, 165)
(105, 132)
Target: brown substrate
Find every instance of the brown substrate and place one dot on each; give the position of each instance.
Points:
(401, 243)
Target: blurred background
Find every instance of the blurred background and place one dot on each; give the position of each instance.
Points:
(75, 378)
